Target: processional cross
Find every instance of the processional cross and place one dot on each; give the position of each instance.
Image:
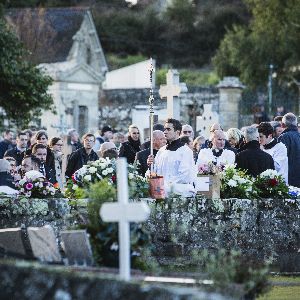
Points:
(124, 213)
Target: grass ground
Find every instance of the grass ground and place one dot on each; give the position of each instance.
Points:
(283, 288)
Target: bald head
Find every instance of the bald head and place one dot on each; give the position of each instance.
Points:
(218, 139)
(106, 146)
(215, 126)
(159, 139)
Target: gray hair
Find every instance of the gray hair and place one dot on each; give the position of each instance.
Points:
(289, 119)
(251, 134)
(4, 165)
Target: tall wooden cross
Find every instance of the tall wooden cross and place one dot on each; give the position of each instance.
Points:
(124, 213)
(172, 89)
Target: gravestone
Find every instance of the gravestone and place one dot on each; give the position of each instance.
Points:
(171, 91)
(204, 122)
(140, 115)
(77, 247)
(11, 242)
(124, 213)
(43, 243)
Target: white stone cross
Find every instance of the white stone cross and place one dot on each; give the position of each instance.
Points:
(124, 213)
(172, 89)
(62, 126)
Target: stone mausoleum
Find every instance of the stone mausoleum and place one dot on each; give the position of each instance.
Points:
(64, 43)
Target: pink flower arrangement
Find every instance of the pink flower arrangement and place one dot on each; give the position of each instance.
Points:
(34, 184)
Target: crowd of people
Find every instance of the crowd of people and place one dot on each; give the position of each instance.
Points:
(177, 153)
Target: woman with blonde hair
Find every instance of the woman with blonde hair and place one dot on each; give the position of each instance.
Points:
(132, 146)
(235, 137)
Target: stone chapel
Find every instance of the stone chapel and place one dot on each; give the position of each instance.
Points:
(64, 43)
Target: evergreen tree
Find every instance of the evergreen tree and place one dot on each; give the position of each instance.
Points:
(23, 87)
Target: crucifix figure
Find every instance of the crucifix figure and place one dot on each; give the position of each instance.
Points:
(124, 213)
(171, 91)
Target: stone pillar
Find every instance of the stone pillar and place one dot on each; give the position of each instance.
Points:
(230, 89)
(76, 115)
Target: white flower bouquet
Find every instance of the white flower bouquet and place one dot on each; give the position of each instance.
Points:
(104, 168)
(236, 183)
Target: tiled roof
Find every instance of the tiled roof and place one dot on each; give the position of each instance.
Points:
(46, 33)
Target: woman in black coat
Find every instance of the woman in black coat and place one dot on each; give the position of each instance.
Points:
(132, 146)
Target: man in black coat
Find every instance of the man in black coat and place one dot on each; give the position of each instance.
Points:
(6, 144)
(39, 151)
(82, 156)
(291, 139)
(159, 141)
(18, 152)
(251, 158)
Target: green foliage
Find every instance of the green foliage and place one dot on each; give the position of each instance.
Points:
(104, 236)
(231, 267)
(23, 87)
(73, 191)
(116, 62)
(190, 77)
(99, 192)
(271, 38)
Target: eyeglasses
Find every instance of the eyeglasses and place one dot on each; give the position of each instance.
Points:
(187, 131)
(89, 141)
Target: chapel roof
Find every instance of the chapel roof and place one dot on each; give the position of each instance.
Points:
(46, 32)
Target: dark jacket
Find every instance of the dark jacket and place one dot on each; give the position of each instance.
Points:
(48, 172)
(50, 161)
(16, 154)
(129, 150)
(141, 158)
(291, 139)
(79, 158)
(4, 146)
(76, 146)
(254, 160)
(7, 180)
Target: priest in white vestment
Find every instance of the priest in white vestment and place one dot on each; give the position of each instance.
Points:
(276, 149)
(175, 162)
(217, 154)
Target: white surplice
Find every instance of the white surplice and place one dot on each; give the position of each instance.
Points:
(178, 169)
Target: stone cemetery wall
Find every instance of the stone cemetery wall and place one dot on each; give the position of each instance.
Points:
(50, 282)
(258, 228)
(116, 105)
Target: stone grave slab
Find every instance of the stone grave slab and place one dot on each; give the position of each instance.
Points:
(43, 243)
(77, 247)
(11, 242)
